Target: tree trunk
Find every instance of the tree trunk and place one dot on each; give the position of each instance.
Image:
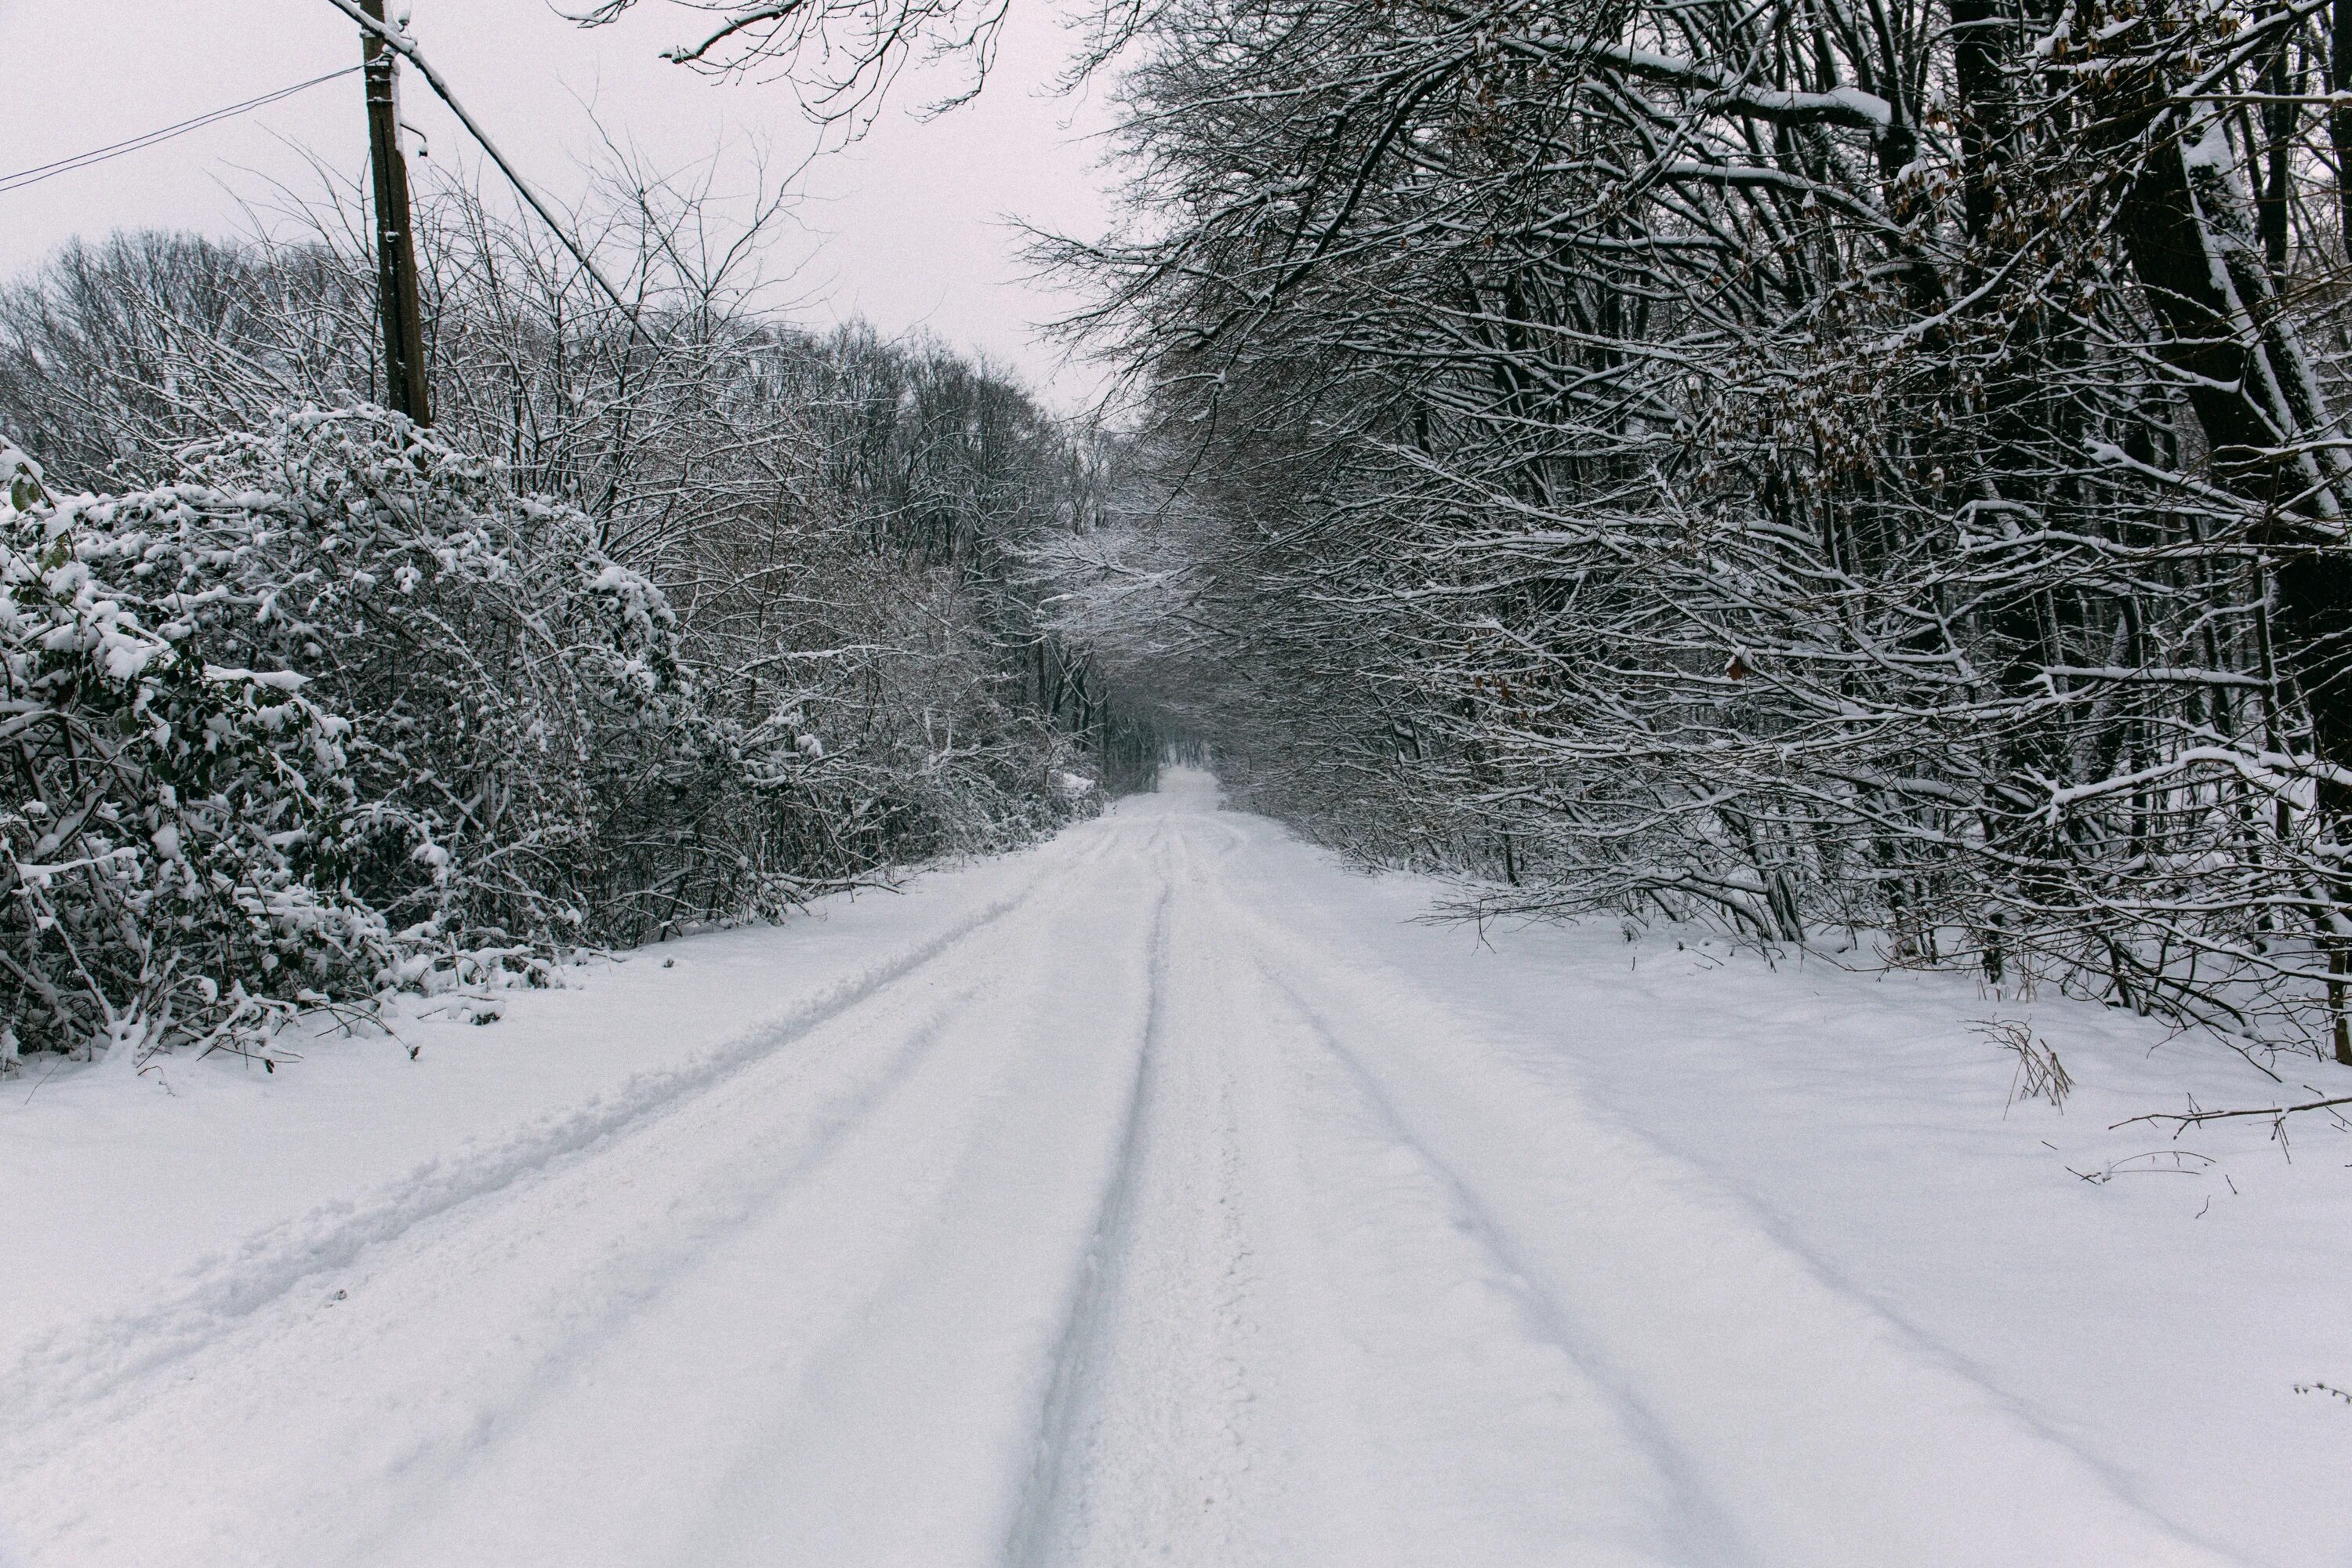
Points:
(2184, 227)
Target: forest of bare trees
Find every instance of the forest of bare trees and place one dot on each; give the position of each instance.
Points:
(1809, 465)
(665, 621)
(1840, 467)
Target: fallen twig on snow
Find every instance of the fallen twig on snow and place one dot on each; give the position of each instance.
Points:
(2193, 1117)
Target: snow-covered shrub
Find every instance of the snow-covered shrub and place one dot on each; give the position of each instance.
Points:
(662, 623)
(521, 721)
(178, 831)
(335, 707)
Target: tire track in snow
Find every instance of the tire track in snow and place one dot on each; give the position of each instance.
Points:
(1160, 1442)
(81, 1363)
(1145, 1447)
(1679, 1520)
(1869, 1441)
(1078, 1346)
(554, 1272)
(953, 1363)
(793, 1285)
(634, 1286)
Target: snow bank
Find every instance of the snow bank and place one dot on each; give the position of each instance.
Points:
(221, 1178)
(2166, 1308)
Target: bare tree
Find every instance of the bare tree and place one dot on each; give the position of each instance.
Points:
(1797, 466)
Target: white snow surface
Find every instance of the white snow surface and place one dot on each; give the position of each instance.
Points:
(1171, 1194)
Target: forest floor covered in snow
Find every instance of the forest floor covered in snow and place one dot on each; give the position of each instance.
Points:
(1172, 1192)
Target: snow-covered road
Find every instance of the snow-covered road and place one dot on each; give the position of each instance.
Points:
(1125, 1217)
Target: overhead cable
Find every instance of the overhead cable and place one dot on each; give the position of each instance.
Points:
(50, 171)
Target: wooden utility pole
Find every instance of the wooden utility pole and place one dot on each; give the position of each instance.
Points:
(395, 235)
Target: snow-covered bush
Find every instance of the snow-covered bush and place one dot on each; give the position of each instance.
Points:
(535, 745)
(178, 831)
(333, 705)
(662, 623)
(532, 763)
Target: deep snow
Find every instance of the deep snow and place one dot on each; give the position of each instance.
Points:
(1170, 1193)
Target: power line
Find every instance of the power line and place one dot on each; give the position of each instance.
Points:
(398, 40)
(35, 175)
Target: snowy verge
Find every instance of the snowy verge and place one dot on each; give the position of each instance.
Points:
(148, 1215)
(2169, 1308)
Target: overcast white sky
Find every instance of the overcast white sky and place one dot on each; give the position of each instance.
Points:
(905, 227)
